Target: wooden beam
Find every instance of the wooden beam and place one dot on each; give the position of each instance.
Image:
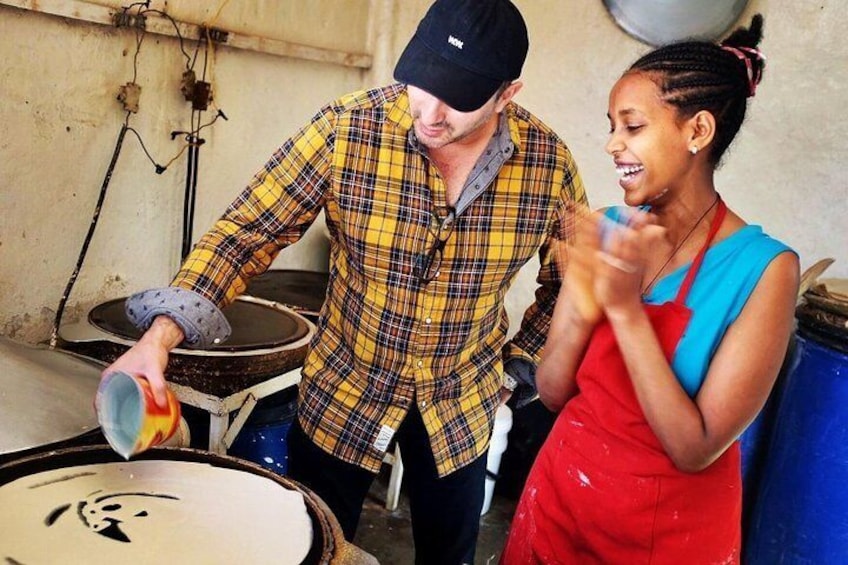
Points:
(155, 23)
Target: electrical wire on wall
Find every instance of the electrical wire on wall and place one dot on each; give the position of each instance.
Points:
(198, 92)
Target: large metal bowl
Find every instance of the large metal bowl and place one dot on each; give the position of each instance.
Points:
(658, 22)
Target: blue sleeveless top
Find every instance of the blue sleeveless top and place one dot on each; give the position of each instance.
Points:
(730, 272)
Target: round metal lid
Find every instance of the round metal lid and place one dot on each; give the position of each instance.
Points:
(255, 324)
(303, 291)
(658, 22)
(46, 396)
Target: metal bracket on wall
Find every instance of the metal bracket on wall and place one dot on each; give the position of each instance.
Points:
(214, 34)
(126, 19)
(94, 13)
(129, 95)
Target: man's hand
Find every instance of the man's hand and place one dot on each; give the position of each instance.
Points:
(149, 356)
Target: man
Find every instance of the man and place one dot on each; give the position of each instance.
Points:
(436, 191)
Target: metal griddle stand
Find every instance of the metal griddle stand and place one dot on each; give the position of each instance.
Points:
(222, 433)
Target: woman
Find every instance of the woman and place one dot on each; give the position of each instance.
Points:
(667, 336)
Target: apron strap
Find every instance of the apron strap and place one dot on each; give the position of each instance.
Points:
(696, 264)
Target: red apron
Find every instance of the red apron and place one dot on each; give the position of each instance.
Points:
(603, 490)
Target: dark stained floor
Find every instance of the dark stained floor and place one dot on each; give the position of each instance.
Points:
(387, 535)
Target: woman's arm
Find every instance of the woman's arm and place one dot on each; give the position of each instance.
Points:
(574, 317)
(564, 348)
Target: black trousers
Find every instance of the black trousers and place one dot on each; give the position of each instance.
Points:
(445, 511)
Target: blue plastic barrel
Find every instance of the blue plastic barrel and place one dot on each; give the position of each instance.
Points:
(755, 440)
(801, 510)
(262, 440)
(753, 446)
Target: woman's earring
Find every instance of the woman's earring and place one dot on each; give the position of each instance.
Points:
(693, 150)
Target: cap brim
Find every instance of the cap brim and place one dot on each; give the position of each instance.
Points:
(457, 87)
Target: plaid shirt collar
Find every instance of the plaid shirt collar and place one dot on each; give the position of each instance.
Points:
(500, 148)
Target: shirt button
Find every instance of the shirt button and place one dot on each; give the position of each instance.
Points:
(420, 364)
(423, 404)
(428, 321)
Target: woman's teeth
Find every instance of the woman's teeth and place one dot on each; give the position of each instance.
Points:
(628, 171)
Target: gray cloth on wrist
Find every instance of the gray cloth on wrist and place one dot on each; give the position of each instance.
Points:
(524, 372)
(202, 323)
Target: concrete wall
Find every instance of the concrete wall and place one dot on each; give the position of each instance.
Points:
(60, 123)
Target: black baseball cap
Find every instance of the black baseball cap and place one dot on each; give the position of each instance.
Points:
(464, 50)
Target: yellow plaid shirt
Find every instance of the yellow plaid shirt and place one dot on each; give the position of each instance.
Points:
(384, 339)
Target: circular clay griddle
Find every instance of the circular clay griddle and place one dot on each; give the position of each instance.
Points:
(267, 340)
(106, 512)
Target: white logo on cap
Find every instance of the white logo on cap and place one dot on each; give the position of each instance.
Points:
(455, 42)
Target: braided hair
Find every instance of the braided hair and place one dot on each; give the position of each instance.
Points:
(701, 75)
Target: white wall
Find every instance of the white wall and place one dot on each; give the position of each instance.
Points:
(60, 119)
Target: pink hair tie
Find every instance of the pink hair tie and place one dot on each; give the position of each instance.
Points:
(753, 78)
